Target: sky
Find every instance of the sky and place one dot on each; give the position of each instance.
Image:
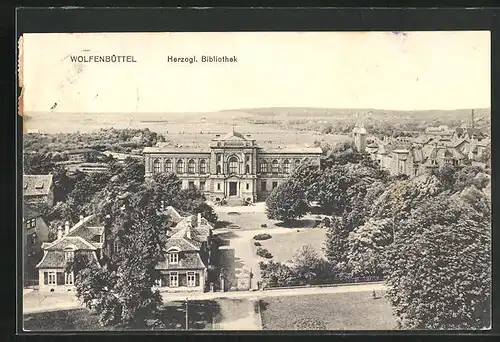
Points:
(379, 70)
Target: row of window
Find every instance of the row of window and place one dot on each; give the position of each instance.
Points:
(191, 280)
(233, 166)
(180, 166)
(58, 278)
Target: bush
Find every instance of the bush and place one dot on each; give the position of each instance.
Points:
(264, 236)
(257, 243)
(262, 252)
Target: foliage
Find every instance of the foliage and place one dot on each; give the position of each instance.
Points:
(36, 163)
(257, 244)
(122, 292)
(365, 248)
(287, 202)
(276, 274)
(262, 252)
(263, 236)
(438, 269)
(117, 140)
(310, 267)
(306, 267)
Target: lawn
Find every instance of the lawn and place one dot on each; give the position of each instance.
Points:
(339, 311)
(170, 317)
(253, 220)
(283, 246)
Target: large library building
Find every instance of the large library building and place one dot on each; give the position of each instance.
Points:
(233, 168)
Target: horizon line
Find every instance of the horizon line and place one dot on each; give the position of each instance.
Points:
(256, 108)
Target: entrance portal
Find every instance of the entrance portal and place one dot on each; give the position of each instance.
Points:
(233, 190)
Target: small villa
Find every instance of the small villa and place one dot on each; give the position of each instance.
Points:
(86, 237)
(187, 255)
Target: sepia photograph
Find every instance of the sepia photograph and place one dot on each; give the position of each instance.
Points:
(255, 181)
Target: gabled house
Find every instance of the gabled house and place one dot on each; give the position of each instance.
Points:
(35, 232)
(85, 237)
(187, 255)
(38, 189)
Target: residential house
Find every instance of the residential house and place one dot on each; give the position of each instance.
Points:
(85, 237)
(38, 189)
(187, 255)
(35, 232)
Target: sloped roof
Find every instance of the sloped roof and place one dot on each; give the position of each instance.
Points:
(56, 259)
(173, 214)
(456, 142)
(291, 150)
(70, 241)
(188, 261)
(171, 149)
(37, 185)
(181, 243)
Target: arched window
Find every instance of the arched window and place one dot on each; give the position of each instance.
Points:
(275, 166)
(191, 166)
(247, 169)
(233, 165)
(218, 170)
(168, 166)
(263, 167)
(203, 166)
(180, 166)
(286, 166)
(156, 166)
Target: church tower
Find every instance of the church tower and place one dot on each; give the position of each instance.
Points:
(359, 133)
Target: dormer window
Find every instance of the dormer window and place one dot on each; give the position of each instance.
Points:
(173, 257)
(69, 255)
(39, 186)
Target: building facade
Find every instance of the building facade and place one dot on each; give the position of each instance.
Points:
(232, 168)
(85, 237)
(35, 232)
(186, 256)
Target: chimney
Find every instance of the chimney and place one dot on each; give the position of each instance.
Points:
(66, 228)
(199, 219)
(59, 232)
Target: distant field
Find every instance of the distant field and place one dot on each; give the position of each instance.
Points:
(339, 311)
(189, 129)
(251, 121)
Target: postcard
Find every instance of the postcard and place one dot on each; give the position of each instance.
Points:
(204, 181)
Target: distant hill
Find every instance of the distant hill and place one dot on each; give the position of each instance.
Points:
(380, 114)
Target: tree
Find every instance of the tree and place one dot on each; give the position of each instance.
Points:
(310, 267)
(37, 164)
(365, 248)
(122, 293)
(438, 269)
(287, 202)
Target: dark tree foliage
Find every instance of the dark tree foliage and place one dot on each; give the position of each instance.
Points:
(287, 202)
(122, 293)
(36, 163)
(438, 269)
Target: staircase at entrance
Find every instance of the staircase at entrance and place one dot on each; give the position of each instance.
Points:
(234, 201)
